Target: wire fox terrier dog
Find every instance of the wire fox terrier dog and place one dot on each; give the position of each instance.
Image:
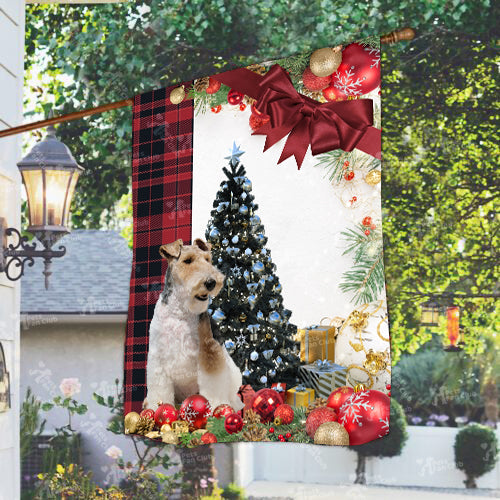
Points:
(184, 358)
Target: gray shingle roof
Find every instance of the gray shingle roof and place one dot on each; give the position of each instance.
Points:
(93, 277)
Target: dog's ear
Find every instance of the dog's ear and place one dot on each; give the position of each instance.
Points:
(202, 245)
(171, 251)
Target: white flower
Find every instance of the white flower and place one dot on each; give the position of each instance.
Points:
(114, 452)
(70, 386)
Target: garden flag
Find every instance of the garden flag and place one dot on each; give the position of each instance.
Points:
(257, 298)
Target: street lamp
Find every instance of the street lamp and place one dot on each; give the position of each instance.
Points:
(429, 314)
(50, 173)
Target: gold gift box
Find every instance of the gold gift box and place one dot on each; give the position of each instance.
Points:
(317, 342)
(299, 396)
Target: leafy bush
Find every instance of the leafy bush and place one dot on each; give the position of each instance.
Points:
(476, 452)
(30, 422)
(436, 387)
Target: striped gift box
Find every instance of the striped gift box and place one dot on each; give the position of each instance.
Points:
(323, 376)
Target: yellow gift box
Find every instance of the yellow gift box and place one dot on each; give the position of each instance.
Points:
(299, 396)
(317, 342)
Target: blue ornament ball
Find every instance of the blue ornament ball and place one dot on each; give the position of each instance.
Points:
(254, 355)
(214, 233)
(263, 379)
(218, 315)
(243, 209)
(274, 318)
(235, 239)
(258, 267)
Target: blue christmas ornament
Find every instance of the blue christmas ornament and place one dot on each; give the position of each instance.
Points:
(253, 328)
(236, 251)
(278, 288)
(219, 260)
(225, 242)
(243, 210)
(263, 251)
(268, 354)
(214, 233)
(273, 303)
(255, 220)
(243, 196)
(258, 267)
(229, 344)
(247, 276)
(227, 223)
(261, 238)
(286, 313)
(263, 379)
(278, 360)
(247, 184)
(218, 315)
(248, 251)
(274, 318)
(252, 300)
(252, 287)
(254, 355)
(260, 316)
(235, 239)
(272, 373)
(262, 282)
(246, 373)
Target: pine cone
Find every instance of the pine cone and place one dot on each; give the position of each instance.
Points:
(317, 403)
(144, 425)
(195, 442)
(257, 68)
(251, 417)
(201, 84)
(255, 433)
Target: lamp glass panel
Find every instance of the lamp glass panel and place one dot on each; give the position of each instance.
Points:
(34, 191)
(55, 194)
(71, 192)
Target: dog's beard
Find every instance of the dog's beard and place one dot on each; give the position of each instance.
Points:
(198, 297)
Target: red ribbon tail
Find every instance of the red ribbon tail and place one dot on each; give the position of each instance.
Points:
(297, 143)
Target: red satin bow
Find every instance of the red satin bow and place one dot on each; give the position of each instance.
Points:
(324, 126)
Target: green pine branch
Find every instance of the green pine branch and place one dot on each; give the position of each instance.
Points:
(295, 65)
(371, 41)
(366, 278)
(203, 102)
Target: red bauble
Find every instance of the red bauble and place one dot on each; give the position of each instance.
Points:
(234, 97)
(216, 109)
(243, 106)
(367, 221)
(349, 176)
(359, 72)
(257, 121)
(233, 423)
(338, 397)
(208, 438)
(213, 86)
(222, 411)
(285, 412)
(367, 232)
(148, 413)
(365, 416)
(265, 403)
(332, 93)
(165, 414)
(313, 82)
(317, 417)
(195, 410)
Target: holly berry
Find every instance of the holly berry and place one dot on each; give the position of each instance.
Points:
(367, 221)
(271, 430)
(148, 413)
(354, 198)
(213, 86)
(288, 435)
(281, 436)
(388, 387)
(389, 393)
(346, 163)
(216, 109)
(367, 232)
(243, 106)
(349, 176)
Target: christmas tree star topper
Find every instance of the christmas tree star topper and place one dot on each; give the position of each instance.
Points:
(234, 154)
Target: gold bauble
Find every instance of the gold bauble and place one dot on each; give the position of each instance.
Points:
(359, 388)
(331, 433)
(170, 437)
(165, 428)
(277, 421)
(325, 61)
(375, 362)
(199, 432)
(177, 95)
(131, 420)
(180, 427)
(242, 317)
(268, 336)
(373, 177)
(153, 435)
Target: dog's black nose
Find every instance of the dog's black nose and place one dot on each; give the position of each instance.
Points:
(210, 284)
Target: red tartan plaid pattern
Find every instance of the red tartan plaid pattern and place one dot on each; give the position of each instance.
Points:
(162, 172)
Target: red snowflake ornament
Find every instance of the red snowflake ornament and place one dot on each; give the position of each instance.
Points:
(165, 414)
(365, 416)
(195, 410)
(222, 411)
(359, 72)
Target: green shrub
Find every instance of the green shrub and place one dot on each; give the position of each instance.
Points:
(233, 492)
(476, 452)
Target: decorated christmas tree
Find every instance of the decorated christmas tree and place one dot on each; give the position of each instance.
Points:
(249, 310)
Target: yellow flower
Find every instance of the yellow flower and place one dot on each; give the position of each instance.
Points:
(40, 476)
(60, 469)
(70, 468)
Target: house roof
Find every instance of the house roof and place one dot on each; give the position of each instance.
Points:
(92, 278)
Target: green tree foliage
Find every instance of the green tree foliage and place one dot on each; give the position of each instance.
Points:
(476, 452)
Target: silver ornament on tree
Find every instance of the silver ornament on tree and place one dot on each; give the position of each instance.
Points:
(247, 185)
(254, 355)
(275, 318)
(243, 209)
(258, 267)
(218, 315)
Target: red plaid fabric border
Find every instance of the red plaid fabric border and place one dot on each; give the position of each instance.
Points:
(162, 172)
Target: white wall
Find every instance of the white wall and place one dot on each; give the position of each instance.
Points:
(427, 460)
(11, 88)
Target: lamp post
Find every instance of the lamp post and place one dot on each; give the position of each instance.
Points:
(50, 173)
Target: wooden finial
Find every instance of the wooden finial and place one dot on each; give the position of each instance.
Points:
(398, 36)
